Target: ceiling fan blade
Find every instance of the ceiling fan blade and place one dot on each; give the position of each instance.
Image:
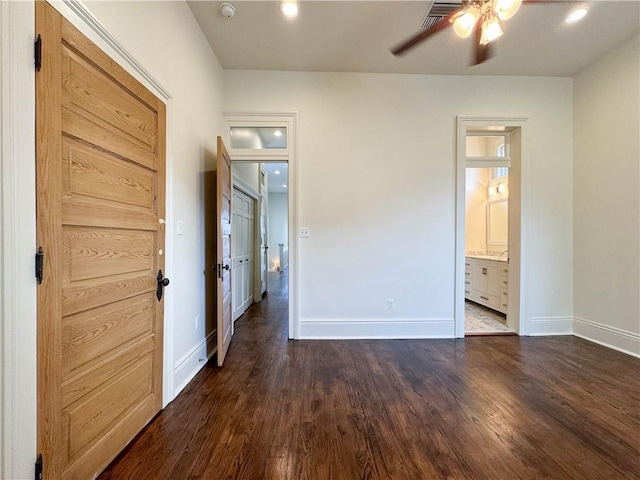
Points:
(481, 53)
(422, 35)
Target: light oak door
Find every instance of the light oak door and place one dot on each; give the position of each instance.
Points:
(100, 146)
(223, 242)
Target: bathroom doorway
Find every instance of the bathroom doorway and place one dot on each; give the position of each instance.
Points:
(486, 283)
(489, 227)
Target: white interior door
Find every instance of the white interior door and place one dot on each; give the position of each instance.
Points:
(243, 251)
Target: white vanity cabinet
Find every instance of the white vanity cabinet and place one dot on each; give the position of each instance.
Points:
(487, 282)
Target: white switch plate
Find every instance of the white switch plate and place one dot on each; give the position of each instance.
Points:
(179, 227)
(305, 232)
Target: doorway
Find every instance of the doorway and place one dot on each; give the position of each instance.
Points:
(486, 283)
(268, 139)
(260, 231)
(490, 224)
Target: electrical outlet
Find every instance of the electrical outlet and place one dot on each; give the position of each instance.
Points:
(390, 303)
(197, 321)
(305, 232)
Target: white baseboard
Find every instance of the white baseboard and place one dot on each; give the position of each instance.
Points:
(541, 326)
(376, 329)
(192, 362)
(612, 337)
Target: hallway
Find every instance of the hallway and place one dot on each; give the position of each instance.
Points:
(486, 408)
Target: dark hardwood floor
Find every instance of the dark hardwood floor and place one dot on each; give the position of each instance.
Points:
(475, 408)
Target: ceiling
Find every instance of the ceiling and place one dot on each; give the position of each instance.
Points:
(355, 36)
(276, 181)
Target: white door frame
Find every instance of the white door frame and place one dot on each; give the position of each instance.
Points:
(17, 241)
(518, 308)
(289, 156)
(18, 375)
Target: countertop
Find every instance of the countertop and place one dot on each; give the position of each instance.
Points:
(489, 257)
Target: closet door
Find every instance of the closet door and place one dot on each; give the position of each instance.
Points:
(243, 229)
(264, 242)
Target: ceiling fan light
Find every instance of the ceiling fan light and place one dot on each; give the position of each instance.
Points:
(490, 30)
(464, 23)
(505, 9)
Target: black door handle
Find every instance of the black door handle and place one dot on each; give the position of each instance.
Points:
(162, 282)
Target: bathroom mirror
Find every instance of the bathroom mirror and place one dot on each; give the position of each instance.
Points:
(498, 222)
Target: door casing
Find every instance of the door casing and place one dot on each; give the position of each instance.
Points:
(290, 121)
(518, 174)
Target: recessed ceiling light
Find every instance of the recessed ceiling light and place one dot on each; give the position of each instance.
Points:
(576, 15)
(277, 172)
(289, 8)
(277, 133)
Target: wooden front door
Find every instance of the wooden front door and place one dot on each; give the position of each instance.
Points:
(100, 145)
(223, 242)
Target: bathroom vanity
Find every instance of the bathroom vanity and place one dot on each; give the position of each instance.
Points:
(486, 281)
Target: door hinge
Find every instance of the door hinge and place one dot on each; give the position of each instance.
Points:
(39, 264)
(37, 53)
(39, 468)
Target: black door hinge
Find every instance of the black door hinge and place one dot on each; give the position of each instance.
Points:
(37, 53)
(39, 467)
(39, 264)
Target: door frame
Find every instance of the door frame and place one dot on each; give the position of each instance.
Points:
(82, 18)
(519, 174)
(17, 243)
(18, 220)
(290, 121)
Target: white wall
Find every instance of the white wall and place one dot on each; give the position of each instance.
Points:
(278, 229)
(606, 200)
(248, 174)
(376, 188)
(166, 40)
(476, 209)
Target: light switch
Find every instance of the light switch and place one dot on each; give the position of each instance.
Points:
(305, 232)
(179, 227)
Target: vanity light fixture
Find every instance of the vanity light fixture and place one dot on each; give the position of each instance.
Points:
(289, 8)
(277, 172)
(497, 190)
(277, 133)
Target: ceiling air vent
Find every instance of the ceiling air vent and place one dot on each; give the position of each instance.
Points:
(439, 9)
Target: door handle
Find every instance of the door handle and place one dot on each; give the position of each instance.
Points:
(162, 282)
(221, 268)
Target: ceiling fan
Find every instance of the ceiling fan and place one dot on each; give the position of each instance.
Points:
(480, 17)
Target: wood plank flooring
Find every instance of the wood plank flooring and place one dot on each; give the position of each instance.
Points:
(479, 408)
